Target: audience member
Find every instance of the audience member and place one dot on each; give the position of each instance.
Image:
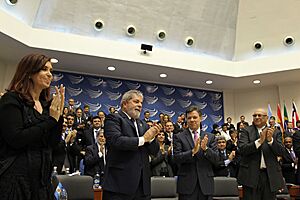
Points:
(226, 165)
(147, 116)
(71, 105)
(289, 161)
(229, 123)
(296, 147)
(65, 111)
(194, 151)
(79, 122)
(112, 110)
(178, 125)
(87, 116)
(225, 132)
(30, 125)
(169, 128)
(290, 130)
(216, 130)
(160, 162)
(130, 143)
(149, 123)
(242, 120)
(102, 116)
(232, 144)
(277, 132)
(95, 155)
(90, 135)
(258, 171)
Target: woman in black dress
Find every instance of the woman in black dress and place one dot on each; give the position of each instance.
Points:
(30, 124)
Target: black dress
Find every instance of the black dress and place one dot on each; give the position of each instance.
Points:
(26, 140)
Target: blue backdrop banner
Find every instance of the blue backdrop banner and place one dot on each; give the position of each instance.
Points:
(101, 93)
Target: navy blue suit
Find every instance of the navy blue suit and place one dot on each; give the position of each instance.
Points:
(198, 168)
(127, 164)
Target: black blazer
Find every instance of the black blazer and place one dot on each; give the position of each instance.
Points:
(92, 162)
(126, 162)
(198, 167)
(288, 167)
(251, 157)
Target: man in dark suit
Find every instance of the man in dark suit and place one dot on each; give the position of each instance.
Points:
(89, 136)
(194, 151)
(95, 155)
(242, 118)
(226, 166)
(130, 142)
(289, 161)
(259, 171)
(296, 147)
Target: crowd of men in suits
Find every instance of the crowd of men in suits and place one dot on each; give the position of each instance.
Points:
(260, 151)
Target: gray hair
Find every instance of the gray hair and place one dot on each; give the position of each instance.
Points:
(220, 137)
(129, 95)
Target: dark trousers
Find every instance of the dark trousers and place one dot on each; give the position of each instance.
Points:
(196, 195)
(139, 195)
(263, 190)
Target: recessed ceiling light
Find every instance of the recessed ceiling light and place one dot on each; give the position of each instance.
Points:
(11, 2)
(53, 60)
(163, 75)
(209, 82)
(256, 81)
(111, 68)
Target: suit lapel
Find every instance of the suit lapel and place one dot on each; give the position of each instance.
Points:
(128, 120)
(189, 138)
(140, 127)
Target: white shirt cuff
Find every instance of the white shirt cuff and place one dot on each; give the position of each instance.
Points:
(226, 162)
(271, 142)
(141, 141)
(257, 144)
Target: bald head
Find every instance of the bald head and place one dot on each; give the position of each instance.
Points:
(260, 118)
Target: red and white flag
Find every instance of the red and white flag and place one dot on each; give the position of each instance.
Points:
(295, 116)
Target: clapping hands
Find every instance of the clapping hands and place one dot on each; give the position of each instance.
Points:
(57, 104)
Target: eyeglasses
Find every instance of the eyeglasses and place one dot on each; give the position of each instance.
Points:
(221, 142)
(258, 115)
(70, 119)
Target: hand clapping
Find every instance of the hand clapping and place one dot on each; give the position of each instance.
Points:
(57, 104)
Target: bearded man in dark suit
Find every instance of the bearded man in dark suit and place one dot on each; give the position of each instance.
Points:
(130, 142)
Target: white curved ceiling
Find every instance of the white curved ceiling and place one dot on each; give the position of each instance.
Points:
(224, 32)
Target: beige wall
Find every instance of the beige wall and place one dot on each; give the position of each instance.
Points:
(244, 102)
(7, 71)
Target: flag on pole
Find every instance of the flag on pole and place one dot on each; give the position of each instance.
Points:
(279, 117)
(285, 116)
(269, 111)
(295, 116)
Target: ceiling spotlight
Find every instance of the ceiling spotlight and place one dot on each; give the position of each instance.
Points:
(53, 60)
(99, 24)
(161, 35)
(130, 30)
(209, 82)
(256, 81)
(111, 68)
(189, 41)
(258, 46)
(11, 2)
(163, 75)
(288, 41)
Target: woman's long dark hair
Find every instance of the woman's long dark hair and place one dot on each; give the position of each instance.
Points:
(22, 82)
